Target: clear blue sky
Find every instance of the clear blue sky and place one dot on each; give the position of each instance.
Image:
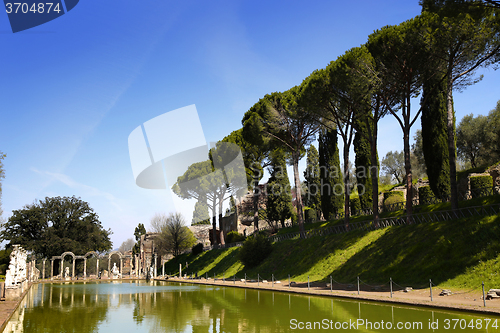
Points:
(73, 89)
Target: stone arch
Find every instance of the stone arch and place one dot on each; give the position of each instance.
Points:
(115, 252)
(85, 257)
(91, 253)
(120, 255)
(62, 262)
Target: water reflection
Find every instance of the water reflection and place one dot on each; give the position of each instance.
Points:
(169, 307)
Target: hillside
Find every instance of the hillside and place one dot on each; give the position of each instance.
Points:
(457, 253)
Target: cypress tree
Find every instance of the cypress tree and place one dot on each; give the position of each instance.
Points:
(435, 136)
(331, 182)
(312, 180)
(362, 149)
(279, 198)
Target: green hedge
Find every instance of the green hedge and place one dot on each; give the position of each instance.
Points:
(426, 196)
(393, 197)
(355, 205)
(255, 249)
(481, 185)
(234, 237)
(197, 249)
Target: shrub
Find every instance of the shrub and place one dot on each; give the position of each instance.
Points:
(197, 249)
(355, 205)
(481, 186)
(310, 215)
(393, 197)
(255, 249)
(234, 237)
(426, 196)
(294, 218)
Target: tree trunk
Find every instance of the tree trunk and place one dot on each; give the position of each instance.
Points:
(298, 192)
(451, 145)
(256, 195)
(346, 186)
(374, 175)
(214, 223)
(409, 185)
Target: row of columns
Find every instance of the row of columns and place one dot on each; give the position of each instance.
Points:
(73, 268)
(135, 258)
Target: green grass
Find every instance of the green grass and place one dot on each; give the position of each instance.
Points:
(456, 254)
(484, 201)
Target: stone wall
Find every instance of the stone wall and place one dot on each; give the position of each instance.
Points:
(201, 232)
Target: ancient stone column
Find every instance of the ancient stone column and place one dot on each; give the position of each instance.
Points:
(52, 269)
(156, 260)
(73, 271)
(121, 267)
(84, 268)
(137, 265)
(43, 268)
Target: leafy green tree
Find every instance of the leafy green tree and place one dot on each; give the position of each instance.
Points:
(372, 99)
(394, 164)
(200, 213)
(201, 180)
(336, 109)
(256, 149)
(464, 38)
(56, 225)
(417, 156)
(401, 56)
(471, 139)
(173, 234)
(138, 232)
(492, 136)
(330, 175)
(279, 199)
(5, 259)
(282, 119)
(312, 180)
(255, 249)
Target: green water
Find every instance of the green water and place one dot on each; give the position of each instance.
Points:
(171, 307)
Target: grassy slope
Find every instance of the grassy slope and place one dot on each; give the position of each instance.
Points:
(459, 253)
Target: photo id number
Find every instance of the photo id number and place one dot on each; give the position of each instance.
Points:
(38, 8)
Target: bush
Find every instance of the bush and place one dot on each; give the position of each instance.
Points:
(294, 218)
(310, 215)
(355, 205)
(426, 196)
(197, 249)
(393, 197)
(234, 237)
(255, 249)
(481, 186)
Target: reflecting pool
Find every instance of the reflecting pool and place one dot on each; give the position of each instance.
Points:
(139, 306)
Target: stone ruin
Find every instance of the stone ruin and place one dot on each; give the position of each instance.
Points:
(16, 277)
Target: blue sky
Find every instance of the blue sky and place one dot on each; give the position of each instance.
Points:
(73, 89)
